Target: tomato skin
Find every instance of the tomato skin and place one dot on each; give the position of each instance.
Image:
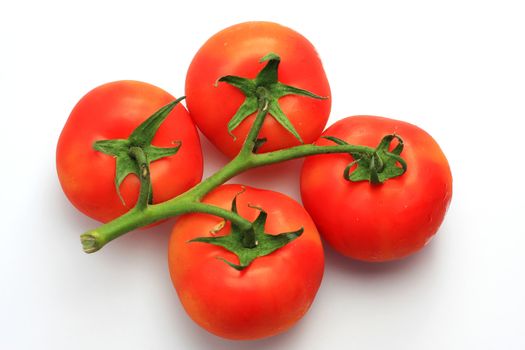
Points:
(378, 222)
(236, 51)
(113, 111)
(267, 297)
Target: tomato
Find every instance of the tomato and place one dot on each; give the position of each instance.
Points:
(385, 221)
(113, 111)
(236, 51)
(265, 298)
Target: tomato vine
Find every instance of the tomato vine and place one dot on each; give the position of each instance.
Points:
(266, 90)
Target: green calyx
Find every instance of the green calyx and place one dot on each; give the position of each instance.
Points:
(251, 243)
(264, 86)
(378, 166)
(134, 154)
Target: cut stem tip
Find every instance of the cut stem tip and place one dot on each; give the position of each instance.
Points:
(89, 243)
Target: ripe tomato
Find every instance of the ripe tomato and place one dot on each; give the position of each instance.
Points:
(378, 222)
(113, 111)
(265, 298)
(236, 51)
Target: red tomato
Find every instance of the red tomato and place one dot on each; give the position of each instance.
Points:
(265, 298)
(236, 51)
(113, 111)
(378, 222)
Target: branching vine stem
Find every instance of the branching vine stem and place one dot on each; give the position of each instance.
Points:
(145, 180)
(189, 202)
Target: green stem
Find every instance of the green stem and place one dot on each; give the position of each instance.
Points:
(189, 202)
(248, 239)
(241, 162)
(95, 239)
(138, 154)
(220, 212)
(304, 151)
(262, 111)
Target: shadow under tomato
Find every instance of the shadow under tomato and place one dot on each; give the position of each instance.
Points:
(344, 265)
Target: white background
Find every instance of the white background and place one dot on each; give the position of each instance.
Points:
(455, 68)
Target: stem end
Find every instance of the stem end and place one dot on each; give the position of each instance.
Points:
(90, 243)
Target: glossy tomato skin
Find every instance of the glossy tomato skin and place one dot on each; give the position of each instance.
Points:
(267, 297)
(378, 222)
(113, 111)
(236, 51)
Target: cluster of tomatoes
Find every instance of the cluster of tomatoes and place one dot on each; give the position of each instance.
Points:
(362, 220)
